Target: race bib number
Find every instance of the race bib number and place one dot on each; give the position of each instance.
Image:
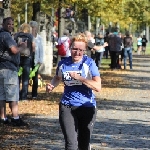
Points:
(69, 81)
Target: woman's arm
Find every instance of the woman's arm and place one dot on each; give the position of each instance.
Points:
(54, 83)
(94, 83)
(100, 47)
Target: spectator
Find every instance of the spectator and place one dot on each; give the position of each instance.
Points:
(77, 109)
(65, 40)
(144, 42)
(128, 50)
(122, 47)
(99, 55)
(115, 43)
(37, 57)
(69, 14)
(9, 64)
(25, 58)
(93, 51)
(91, 46)
(106, 39)
(139, 45)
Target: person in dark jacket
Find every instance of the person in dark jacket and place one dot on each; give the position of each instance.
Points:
(106, 39)
(144, 42)
(115, 43)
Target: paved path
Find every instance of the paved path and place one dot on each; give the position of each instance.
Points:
(123, 119)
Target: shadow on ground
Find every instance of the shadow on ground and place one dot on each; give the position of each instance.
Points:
(125, 80)
(115, 134)
(123, 105)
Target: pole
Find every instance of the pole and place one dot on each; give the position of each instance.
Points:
(110, 26)
(89, 23)
(97, 25)
(18, 21)
(26, 5)
(59, 19)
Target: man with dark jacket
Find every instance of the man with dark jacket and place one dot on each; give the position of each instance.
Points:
(9, 64)
(115, 48)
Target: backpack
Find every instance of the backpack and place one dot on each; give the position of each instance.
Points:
(61, 49)
(22, 37)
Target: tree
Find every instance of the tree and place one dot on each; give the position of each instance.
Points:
(122, 11)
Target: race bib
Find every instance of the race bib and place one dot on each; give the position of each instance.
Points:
(69, 81)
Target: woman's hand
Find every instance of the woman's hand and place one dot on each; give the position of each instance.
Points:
(94, 83)
(49, 87)
(75, 75)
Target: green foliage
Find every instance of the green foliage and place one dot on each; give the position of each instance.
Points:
(18, 7)
(122, 11)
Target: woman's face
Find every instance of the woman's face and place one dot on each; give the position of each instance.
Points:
(77, 51)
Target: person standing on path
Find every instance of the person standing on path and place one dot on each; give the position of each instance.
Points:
(127, 50)
(91, 47)
(115, 43)
(99, 55)
(139, 45)
(37, 57)
(25, 58)
(144, 42)
(9, 64)
(77, 109)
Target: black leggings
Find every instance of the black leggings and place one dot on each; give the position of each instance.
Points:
(77, 126)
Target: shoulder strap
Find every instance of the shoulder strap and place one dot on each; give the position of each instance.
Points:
(64, 41)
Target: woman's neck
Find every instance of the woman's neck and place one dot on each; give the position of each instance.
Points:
(76, 61)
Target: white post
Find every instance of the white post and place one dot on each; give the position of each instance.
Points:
(103, 29)
(26, 5)
(46, 67)
(18, 21)
(97, 25)
(89, 23)
(147, 33)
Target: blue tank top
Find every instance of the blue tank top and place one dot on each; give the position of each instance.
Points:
(76, 93)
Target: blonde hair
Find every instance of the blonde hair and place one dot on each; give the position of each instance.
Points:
(79, 38)
(25, 28)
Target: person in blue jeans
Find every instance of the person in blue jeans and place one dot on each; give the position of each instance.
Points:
(77, 109)
(127, 53)
(128, 50)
